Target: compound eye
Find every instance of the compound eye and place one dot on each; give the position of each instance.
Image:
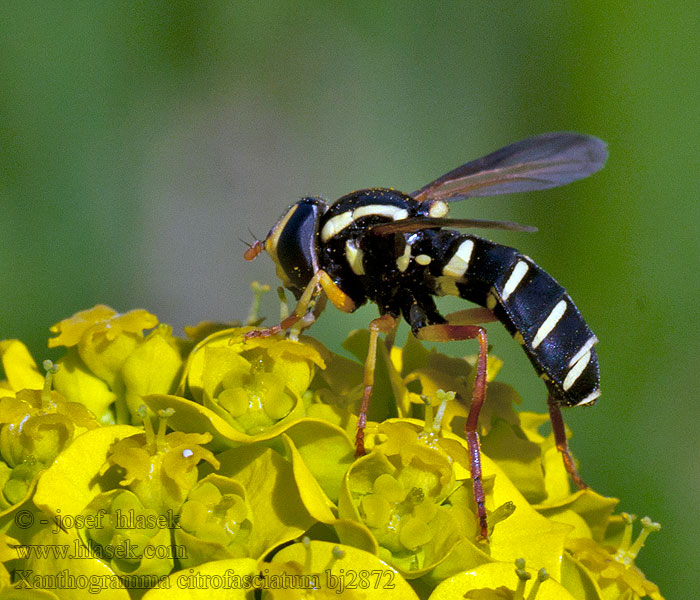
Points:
(295, 245)
(291, 243)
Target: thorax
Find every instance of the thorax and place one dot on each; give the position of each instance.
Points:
(366, 266)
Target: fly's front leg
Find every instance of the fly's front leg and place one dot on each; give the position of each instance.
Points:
(304, 307)
(384, 324)
(309, 318)
(562, 444)
(307, 309)
(448, 332)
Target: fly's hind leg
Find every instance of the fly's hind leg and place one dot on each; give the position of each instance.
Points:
(562, 443)
(428, 325)
(447, 332)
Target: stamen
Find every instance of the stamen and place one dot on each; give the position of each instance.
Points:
(627, 551)
(542, 576)
(429, 414)
(626, 536)
(142, 412)
(647, 527)
(259, 291)
(433, 419)
(163, 415)
(51, 370)
(444, 398)
(306, 541)
(284, 307)
(523, 577)
(336, 555)
(501, 513)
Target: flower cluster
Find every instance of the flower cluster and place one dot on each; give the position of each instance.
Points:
(146, 465)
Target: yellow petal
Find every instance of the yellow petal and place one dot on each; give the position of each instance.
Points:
(71, 330)
(492, 576)
(78, 384)
(150, 369)
(230, 579)
(354, 575)
(19, 366)
(70, 483)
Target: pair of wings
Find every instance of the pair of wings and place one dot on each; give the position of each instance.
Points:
(537, 163)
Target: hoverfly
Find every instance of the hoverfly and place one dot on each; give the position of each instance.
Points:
(400, 250)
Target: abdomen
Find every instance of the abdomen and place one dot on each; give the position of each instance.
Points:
(533, 307)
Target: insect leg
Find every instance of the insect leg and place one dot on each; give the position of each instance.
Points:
(390, 338)
(304, 306)
(384, 324)
(449, 332)
(562, 444)
(471, 316)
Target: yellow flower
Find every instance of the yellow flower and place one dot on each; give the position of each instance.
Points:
(252, 384)
(104, 338)
(613, 566)
(35, 426)
(20, 369)
(246, 446)
(111, 364)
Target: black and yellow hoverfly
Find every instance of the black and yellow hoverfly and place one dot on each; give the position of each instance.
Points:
(400, 250)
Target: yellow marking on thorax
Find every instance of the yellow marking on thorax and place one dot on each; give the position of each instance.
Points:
(336, 224)
(438, 209)
(404, 260)
(383, 210)
(354, 256)
(447, 286)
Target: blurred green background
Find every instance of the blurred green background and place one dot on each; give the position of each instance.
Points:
(140, 141)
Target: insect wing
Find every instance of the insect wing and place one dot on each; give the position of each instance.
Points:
(418, 223)
(537, 163)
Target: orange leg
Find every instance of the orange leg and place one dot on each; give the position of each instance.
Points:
(562, 444)
(305, 308)
(384, 324)
(471, 316)
(445, 333)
